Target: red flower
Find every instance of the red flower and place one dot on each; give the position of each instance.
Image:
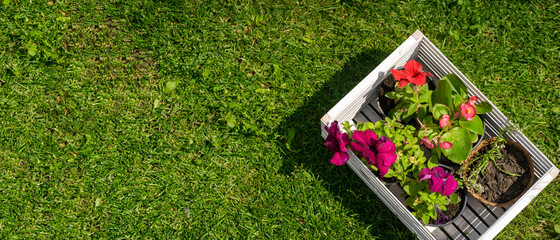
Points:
(444, 121)
(468, 111)
(337, 142)
(412, 73)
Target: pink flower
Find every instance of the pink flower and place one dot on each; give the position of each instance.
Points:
(444, 121)
(427, 142)
(439, 180)
(472, 100)
(468, 111)
(377, 152)
(412, 73)
(445, 145)
(337, 142)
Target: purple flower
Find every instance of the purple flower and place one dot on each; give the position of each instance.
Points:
(440, 180)
(441, 217)
(377, 152)
(337, 142)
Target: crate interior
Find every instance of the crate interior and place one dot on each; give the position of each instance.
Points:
(476, 218)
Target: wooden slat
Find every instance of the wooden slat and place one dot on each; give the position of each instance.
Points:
(370, 113)
(474, 221)
(453, 232)
(484, 213)
(466, 228)
(360, 118)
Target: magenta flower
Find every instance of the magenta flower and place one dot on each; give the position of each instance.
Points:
(468, 111)
(439, 180)
(337, 142)
(412, 73)
(377, 152)
(444, 121)
(427, 142)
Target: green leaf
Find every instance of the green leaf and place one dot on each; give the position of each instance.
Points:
(475, 125)
(483, 107)
(439, 110)
(454, 199)
(442, 94)
(474, 137)
(557, 228)
(426, 219)
(411, 110)
(392, 95)
(460, 138)
(6, 2)
(169, 86)
(457, 85)
(367, 125)
(457, 100)
(422, 112)
(425, 96)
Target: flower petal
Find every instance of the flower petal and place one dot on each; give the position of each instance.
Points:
(398, 74)
(343, 141)
(403, 83)
(386, 159)
(427, 142)
(370, 158)
(445, 145)
(385, 145)
(413, 67)
(339, 158)
(418, 79)
(436, 184)
(468, 111)
(472, 100)
(426, 173)
(444, 121)
(450, 186)
(383, 170)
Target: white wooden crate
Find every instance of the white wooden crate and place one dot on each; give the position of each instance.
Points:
(478, 221)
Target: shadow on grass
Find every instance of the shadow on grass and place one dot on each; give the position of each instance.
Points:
(306, 150)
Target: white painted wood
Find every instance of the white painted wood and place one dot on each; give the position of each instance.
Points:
(478, 221)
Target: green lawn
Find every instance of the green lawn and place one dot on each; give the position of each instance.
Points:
(200, 119)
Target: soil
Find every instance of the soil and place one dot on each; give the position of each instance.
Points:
(452, 210)
(500, 187)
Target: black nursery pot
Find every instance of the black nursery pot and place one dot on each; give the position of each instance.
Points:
(463, 203)
(461, 209)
